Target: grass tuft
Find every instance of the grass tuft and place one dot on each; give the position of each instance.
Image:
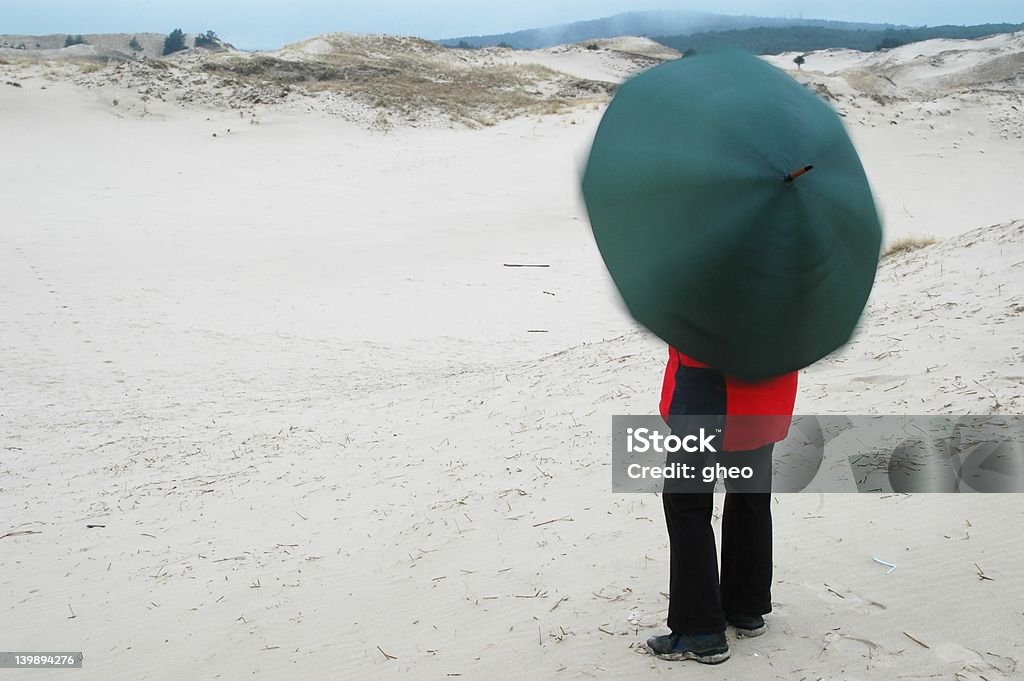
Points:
(907, 244)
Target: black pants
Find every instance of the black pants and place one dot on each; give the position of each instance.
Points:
(698, 601)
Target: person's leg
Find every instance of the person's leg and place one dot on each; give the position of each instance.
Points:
(747, 543)
(747, 554)
(694, 611)
(694, 605)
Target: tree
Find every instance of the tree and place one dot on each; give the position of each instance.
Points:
(174, 42)
(74, 40)
(134, 45)
(888, 44)
(799, 61)
(208, 39)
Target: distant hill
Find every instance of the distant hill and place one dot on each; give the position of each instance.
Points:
(663, 23)
(774, 40)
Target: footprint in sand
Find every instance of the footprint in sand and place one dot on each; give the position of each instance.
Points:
(970, 665)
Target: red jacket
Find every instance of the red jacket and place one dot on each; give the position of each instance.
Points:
(694, 387)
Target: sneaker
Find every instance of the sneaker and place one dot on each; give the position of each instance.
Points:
(747, 626)
(704, 648)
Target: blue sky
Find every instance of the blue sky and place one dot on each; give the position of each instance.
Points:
(252, 24)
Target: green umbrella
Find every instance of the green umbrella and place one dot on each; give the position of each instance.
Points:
(733, 213)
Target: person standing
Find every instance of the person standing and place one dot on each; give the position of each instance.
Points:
(702, 604)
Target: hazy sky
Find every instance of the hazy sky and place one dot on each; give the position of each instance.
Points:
(251, 24)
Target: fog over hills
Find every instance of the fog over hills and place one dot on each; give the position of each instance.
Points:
(653, 23)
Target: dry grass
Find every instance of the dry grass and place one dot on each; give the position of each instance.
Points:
(385, 81)
(907, 244)
(17, 60)
(412, 81)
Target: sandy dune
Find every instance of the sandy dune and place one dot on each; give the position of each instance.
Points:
(105, 45)
(274, 356)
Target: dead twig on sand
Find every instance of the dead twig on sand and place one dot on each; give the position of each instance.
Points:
(982, 575)
(554, 520)
(19, 533)
(386, 656)
(517, 264)
(563, 599)
(835, 592)
(917, 641)
(995, 399)
(612, 599)
(872, 646)
(538, 594)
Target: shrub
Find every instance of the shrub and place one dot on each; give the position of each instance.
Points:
(208, 39)
(134, 45)
(73, 40)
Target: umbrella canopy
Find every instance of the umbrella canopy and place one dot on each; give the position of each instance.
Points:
(733, 214)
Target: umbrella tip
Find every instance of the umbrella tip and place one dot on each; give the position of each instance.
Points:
(788, 179)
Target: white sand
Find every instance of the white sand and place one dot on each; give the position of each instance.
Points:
(285, 369)
(610, 60)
